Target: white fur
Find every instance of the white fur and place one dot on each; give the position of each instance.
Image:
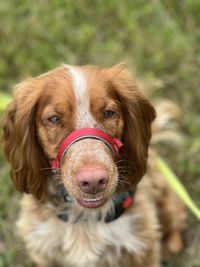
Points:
(83, 244)
(79, 83)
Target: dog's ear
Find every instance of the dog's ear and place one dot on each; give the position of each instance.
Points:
(28, 161)
(138, 115)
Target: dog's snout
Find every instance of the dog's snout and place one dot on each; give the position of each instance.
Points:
(92, 179)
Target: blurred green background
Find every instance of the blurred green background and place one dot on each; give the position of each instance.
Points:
(159, 40)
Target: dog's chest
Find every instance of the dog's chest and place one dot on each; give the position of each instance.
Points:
(83, 243)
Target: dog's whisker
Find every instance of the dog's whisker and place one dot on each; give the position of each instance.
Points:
(124, 182)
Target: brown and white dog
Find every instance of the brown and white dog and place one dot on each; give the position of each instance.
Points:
(89, 212)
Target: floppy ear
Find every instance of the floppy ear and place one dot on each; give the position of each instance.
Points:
(138, 115)
(20, 140)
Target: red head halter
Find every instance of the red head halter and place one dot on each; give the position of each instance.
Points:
(113, 143)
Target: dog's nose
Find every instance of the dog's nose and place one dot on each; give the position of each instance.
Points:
(92, 179)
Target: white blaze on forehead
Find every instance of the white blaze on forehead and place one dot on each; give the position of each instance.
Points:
(80, 86)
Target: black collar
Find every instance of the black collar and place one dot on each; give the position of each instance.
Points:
(122, 202)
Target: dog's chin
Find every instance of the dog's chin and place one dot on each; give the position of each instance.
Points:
(91, 203)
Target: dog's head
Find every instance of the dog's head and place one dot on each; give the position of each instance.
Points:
(48, 108)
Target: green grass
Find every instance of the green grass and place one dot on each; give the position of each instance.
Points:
(159, 40)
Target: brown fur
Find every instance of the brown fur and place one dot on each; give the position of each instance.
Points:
(138, 116)
(31, 141)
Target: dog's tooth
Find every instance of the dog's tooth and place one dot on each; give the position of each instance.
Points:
(92, 199)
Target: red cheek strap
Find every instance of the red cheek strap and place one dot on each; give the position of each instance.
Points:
(113, 143)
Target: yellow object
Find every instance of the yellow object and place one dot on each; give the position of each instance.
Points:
(4, 100)
(174, 182)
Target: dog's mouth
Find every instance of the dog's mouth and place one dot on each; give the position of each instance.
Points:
(91, 203)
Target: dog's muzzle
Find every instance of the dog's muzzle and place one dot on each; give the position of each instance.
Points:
(113, 143)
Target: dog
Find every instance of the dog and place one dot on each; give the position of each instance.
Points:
(77, 139)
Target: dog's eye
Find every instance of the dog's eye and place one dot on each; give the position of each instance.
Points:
(108, 114)
(54, 119)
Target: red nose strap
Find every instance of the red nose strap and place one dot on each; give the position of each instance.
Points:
(113, 143)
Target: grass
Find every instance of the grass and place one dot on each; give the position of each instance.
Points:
(159, 40)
